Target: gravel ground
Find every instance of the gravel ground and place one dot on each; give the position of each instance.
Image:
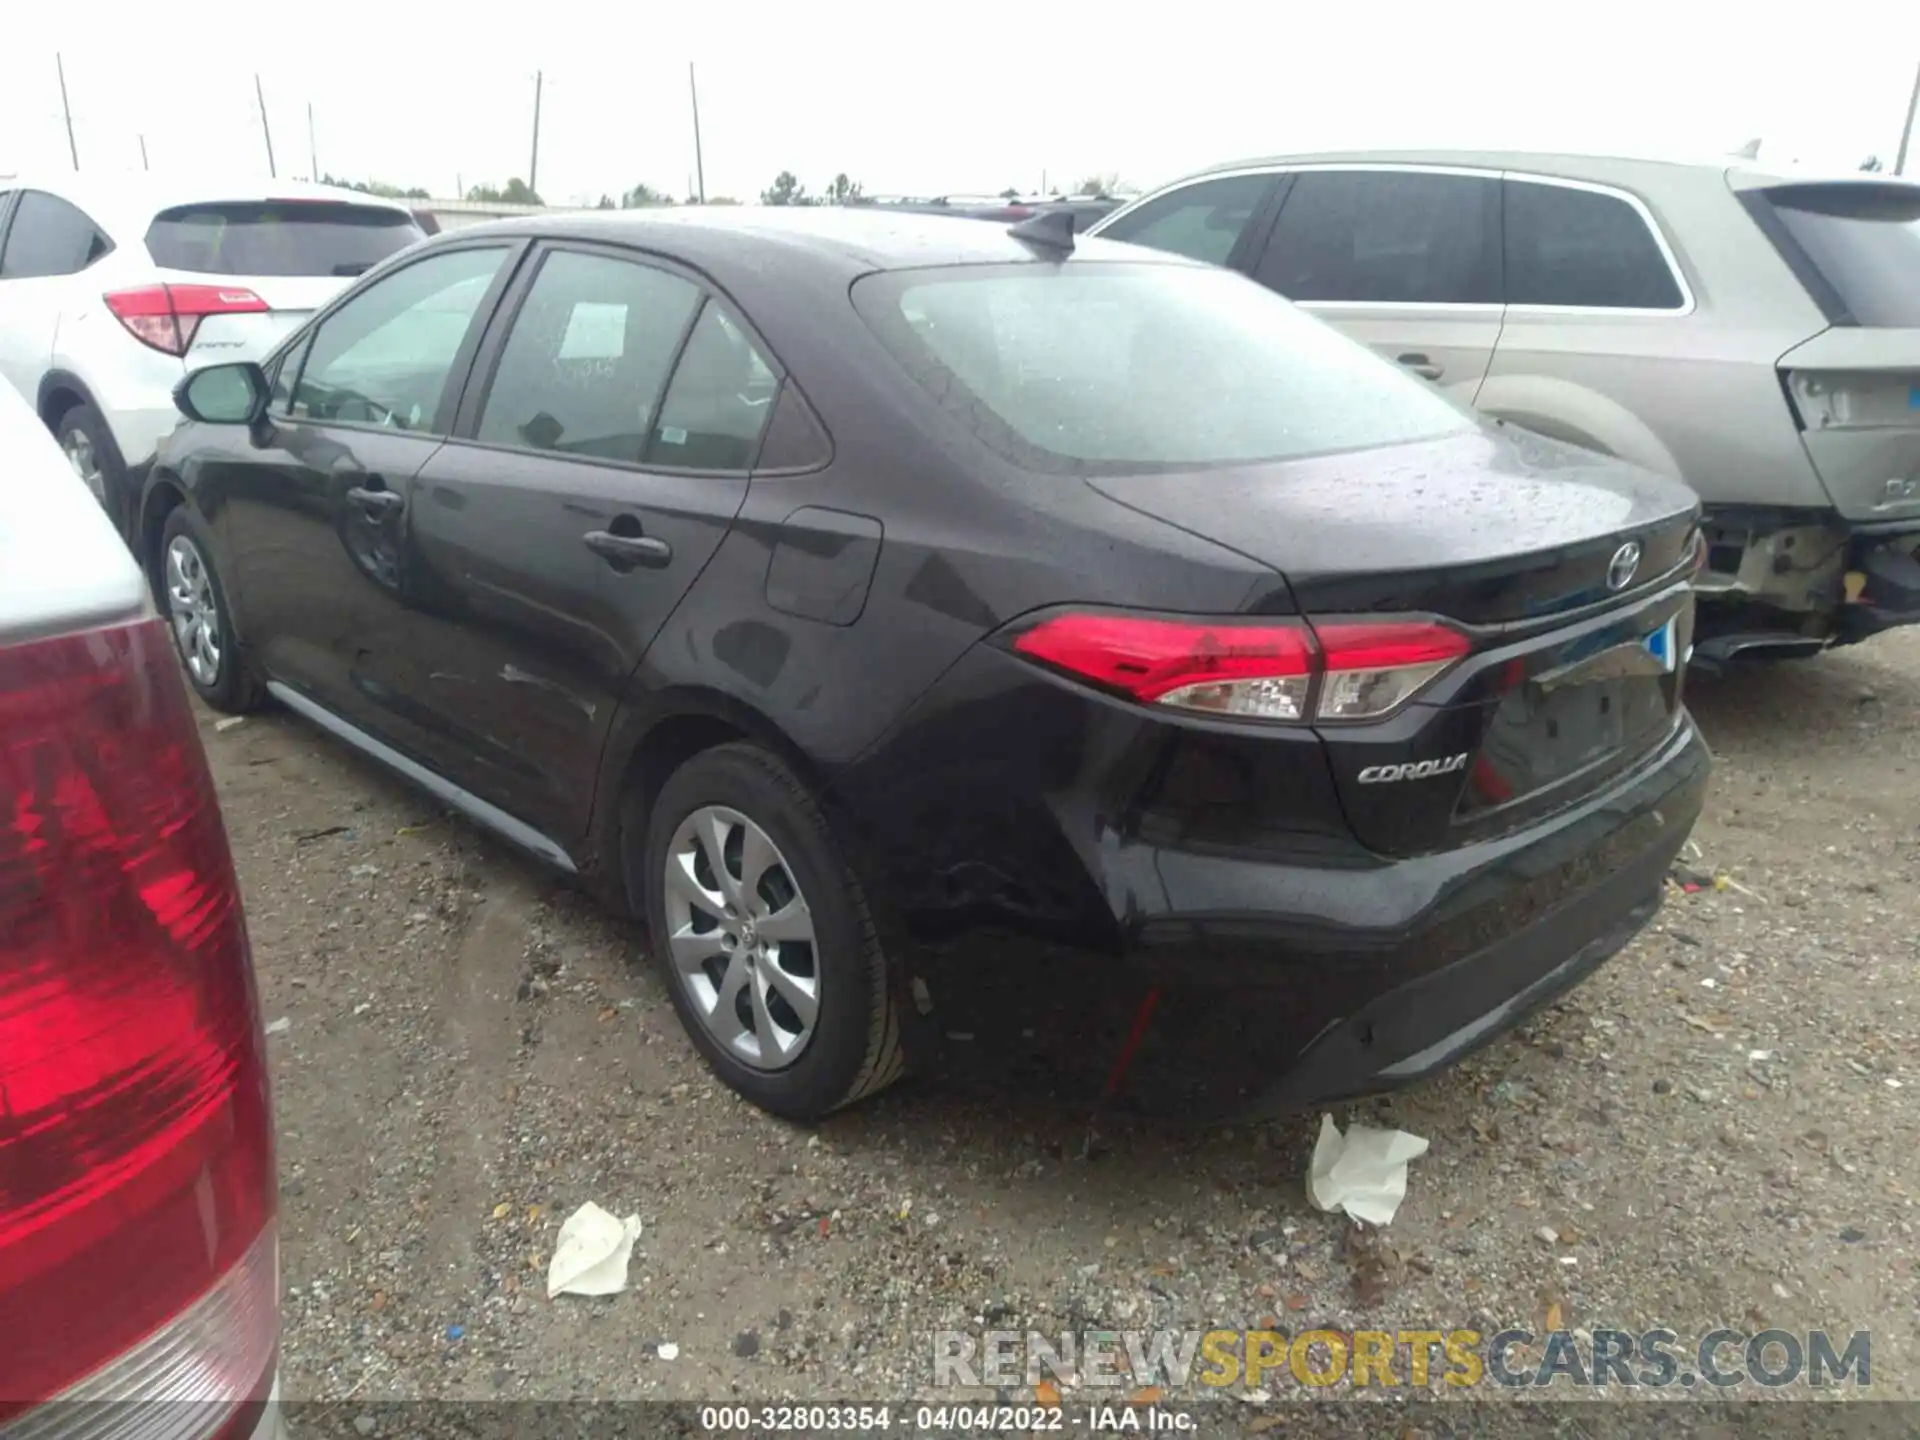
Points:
(1717, 1129)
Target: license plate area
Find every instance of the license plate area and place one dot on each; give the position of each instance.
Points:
(1590, 714)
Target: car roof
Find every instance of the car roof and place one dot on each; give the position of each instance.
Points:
(835, 241)
(133, 198)
(62, 565)
(1573, 164)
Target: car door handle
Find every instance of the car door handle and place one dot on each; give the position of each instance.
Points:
(629, 549)
(1421, 366)
(377, 502)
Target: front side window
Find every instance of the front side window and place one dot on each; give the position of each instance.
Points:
(1202, 221)
(1567, 246)
(586, 363)
(50, 237)
(1387, 237)
(385, 357)
(1106, 368)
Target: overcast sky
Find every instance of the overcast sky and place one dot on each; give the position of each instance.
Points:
(919, 98)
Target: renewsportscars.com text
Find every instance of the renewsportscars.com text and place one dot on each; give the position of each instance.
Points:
(1193, 1361)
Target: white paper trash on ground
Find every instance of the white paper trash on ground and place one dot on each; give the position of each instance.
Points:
(1363, 1172)
(591, 1255)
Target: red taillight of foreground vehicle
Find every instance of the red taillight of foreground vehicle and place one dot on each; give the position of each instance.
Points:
(137, 1188)
(167, 316)
(1332, 670)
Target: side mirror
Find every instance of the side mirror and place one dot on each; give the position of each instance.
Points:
(233, 394)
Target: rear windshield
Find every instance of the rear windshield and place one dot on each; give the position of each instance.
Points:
(1105, 368)
(287, 237)
(1864, 239)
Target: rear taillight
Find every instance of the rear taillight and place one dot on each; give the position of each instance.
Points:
(1332, 670)
(167, 316)
(136, 1153)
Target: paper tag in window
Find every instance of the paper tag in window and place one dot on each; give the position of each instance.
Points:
(672, 435)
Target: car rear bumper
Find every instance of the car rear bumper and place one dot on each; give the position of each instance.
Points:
(1431, 956)
(1039, 851)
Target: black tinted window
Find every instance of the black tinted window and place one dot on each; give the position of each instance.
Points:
(1580, 247)
(283, 237)
(1200, 221)
(1864, 239)
(1388, 237)
(50, 237)
(583, 370)
(718, 402)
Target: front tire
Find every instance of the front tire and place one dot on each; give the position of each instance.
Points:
(764, 938)
(200, 619)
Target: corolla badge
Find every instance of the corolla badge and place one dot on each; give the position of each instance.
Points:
(1413, 770)
(1620, 569)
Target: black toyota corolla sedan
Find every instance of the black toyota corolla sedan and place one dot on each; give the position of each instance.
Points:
(835, 588)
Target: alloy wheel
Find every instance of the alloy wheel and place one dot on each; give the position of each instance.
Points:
(741, 938)
(85, 463)
(193, 610)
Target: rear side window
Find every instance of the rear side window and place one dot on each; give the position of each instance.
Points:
(1568, 246)
(718, 403)
(279, 237)
(586, 362)
(1202, 221)
(1095, 368)
(1387, 237)
(1862, 239)
(50, 237)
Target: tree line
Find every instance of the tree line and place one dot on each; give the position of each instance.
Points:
(786, 189)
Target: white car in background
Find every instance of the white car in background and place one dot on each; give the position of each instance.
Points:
(112, 287)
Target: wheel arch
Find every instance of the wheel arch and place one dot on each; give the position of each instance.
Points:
(648, 746)
(60, 391)
(164, 494)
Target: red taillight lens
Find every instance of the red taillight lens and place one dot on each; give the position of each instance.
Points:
(166, 316)
(1260, 670)
(136, 1149)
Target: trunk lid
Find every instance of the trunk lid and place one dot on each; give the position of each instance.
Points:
(1571, 678)
(1486, 528)
(1856, 395)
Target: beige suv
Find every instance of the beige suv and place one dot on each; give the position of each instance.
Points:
(1756, 335)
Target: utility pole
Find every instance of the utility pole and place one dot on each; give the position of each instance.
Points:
(143, 154)
(533, 165)
(73, 150)
(265, 129)
(699, 163)
(1906, 133)
(313, 155)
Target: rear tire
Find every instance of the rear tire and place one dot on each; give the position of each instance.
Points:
(88, 442)
(200, 620)
(744, 996)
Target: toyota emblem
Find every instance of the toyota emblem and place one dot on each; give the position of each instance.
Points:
(1620, 569)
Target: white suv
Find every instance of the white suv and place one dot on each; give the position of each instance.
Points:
(113, 287)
